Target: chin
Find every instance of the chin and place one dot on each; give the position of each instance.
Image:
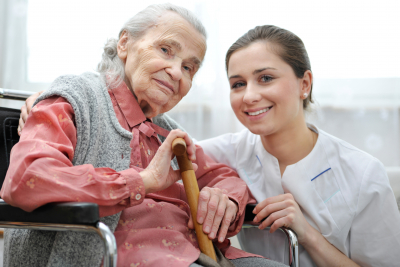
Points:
(261, 129)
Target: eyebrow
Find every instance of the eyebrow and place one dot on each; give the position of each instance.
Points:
(254, 72)
(174, 43)
(196, 61)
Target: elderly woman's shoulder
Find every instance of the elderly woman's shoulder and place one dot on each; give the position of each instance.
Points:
(76, 87)
(70, 80)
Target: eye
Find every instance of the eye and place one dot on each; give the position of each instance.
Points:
(164, 50)
(187, 68)
(265, 78)
(238, 84)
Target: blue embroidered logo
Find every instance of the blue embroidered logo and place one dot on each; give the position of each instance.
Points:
(320, 174)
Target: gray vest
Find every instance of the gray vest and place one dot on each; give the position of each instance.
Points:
(98, 131)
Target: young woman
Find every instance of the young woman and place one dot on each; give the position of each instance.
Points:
(335, 197)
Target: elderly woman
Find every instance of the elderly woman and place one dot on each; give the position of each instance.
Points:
(91, 138)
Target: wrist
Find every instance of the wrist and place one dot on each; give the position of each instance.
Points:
(310, 239)
(147, 181)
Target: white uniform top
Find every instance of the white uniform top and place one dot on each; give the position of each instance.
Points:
(342, 191)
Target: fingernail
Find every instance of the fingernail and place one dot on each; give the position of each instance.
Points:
(221, 239)
(207, 229)
(200, 220)
(254, 211)
(212, 235)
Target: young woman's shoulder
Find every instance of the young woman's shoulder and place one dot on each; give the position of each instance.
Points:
(354, 169)
(345, 153)
(226, 147)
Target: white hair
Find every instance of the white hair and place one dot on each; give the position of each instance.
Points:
(111, 65)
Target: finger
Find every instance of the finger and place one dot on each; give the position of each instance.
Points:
(270, 200)
(20, 125)
(266, 211)
(272, 218)
(211, 210)
(166, 146)
(226, 222)
(191, 148)
(282, 222)
(219, 215)
(176, 134)
(190, 223)
(204, 198)
(24, 113)
(195, 167)
(30, 100)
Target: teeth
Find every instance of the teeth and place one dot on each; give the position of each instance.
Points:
(258, 112)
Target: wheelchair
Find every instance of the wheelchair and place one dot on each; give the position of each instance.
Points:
(74, 216)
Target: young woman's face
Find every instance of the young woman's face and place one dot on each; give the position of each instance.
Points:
(266, 95)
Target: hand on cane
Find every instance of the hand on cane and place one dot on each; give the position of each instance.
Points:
(216, 212)
(159, 174)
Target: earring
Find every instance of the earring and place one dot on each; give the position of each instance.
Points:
(305, 95)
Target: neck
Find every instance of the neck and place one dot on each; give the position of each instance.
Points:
(290, 145)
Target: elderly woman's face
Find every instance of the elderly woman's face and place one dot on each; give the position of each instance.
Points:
(160, 66)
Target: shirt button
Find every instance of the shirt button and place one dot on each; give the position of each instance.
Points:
(138, 196)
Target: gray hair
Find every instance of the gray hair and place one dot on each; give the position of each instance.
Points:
(111, 65)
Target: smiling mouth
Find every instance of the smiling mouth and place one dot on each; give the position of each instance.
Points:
(258, 112)
(165, 85)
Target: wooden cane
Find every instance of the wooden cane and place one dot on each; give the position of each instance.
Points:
(192, 194)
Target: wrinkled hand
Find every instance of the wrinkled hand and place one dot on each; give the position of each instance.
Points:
(282, 211)
(216, 211)
(26, 109)
(159, 174)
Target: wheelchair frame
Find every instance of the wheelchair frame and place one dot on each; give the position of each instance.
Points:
(110, 244)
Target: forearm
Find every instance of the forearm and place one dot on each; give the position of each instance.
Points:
(323, 253)
(217, 175)
(33, 181)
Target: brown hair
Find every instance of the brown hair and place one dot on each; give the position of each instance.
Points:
(288, 46)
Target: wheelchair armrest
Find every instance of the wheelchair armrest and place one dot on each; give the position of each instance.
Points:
(249, 215)
(56, 213)
(291, 235)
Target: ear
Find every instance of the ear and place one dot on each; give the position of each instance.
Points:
(305, 83)
(122, 46)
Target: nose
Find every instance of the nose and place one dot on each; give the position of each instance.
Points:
(174, 70)
(251, 95)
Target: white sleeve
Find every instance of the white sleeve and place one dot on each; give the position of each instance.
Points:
(221, 149)
(375, 232)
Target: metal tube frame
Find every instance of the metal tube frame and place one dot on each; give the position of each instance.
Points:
(110, 244)
(293, 242)
(15, 94)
